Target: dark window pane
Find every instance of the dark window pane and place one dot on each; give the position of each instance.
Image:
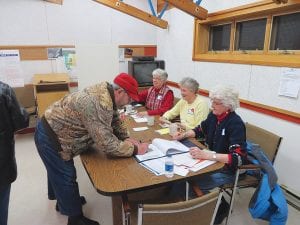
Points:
(219, 38)
(250, 35)
(286, 32)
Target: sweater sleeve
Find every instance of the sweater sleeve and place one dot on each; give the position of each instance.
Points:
(175, 111)
(237, 149)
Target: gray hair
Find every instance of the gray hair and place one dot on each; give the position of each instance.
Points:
(190, 84)
(115, 86)
(227, 95)
(163, 75)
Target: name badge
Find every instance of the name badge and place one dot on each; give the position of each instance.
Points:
(223, 132)
(191, 111)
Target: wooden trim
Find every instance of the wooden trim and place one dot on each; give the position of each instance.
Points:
(289, 60)
(140, 50)
(265, 57)
(60, 2)
(137, 46)
(250, 10)
(190, 8)
(268, 34)
(33, 52)
(161, 4)
(257, 107)
(135, 12)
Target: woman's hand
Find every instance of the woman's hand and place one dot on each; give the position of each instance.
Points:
(181, 127)
(164, 120)
(179, 136)
(197, 153)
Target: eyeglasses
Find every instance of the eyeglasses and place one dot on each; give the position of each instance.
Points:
(216, 102)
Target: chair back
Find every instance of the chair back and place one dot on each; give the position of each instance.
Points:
(267, 140)
(200, 211)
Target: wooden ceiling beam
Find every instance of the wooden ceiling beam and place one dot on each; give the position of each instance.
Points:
(280, 1)
(135, 12)
(189, 7)
(60, 2)
(161, 4)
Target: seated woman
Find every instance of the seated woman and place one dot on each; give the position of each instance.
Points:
(192, 109)
(225, 134)
(159, 98)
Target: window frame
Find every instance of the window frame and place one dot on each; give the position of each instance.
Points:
(209, 41)
(264, 9)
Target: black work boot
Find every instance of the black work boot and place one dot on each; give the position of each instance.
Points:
(82, 199)
(81, 220)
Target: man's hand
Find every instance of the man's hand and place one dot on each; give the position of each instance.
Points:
(142, 148)
(133, 141)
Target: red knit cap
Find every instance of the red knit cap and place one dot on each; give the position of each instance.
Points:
(129, 84)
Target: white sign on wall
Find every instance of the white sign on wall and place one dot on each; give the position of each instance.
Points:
(10, 68)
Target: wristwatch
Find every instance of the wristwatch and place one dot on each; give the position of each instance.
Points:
(214, 156)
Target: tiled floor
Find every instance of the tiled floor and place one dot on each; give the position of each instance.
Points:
(29, 204)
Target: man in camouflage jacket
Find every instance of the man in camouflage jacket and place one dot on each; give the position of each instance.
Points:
(74, 123)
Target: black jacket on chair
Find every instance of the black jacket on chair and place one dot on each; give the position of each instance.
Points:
(12, 118)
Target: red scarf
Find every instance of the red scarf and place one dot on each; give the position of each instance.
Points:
(222, 117)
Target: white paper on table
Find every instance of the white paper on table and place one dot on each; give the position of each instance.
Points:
(185, 159)
(140, 128)
(181, 171)
(202, 165)
(140, 120)
(157, 166)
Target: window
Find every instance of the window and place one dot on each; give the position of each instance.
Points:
(260, 33)
(250, 35)
(219, 38)
(286, 32)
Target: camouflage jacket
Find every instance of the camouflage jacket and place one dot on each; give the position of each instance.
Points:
(89, 117)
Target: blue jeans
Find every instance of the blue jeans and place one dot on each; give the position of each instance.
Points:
(4, 202)
(61, 175)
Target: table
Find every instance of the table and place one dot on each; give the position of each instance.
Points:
(117, 176)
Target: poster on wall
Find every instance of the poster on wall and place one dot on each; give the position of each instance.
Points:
(289, 82)
(66, 63)
(10, 68)
(54, 53)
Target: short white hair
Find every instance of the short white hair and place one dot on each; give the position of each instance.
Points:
(190, 84)
(228, 96)
(163, 75)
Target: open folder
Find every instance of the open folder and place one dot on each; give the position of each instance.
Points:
(154, 159)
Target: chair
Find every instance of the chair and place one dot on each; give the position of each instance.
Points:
(200, 210)
(269, 142)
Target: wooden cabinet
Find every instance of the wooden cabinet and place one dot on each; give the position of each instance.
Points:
(49, 88)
